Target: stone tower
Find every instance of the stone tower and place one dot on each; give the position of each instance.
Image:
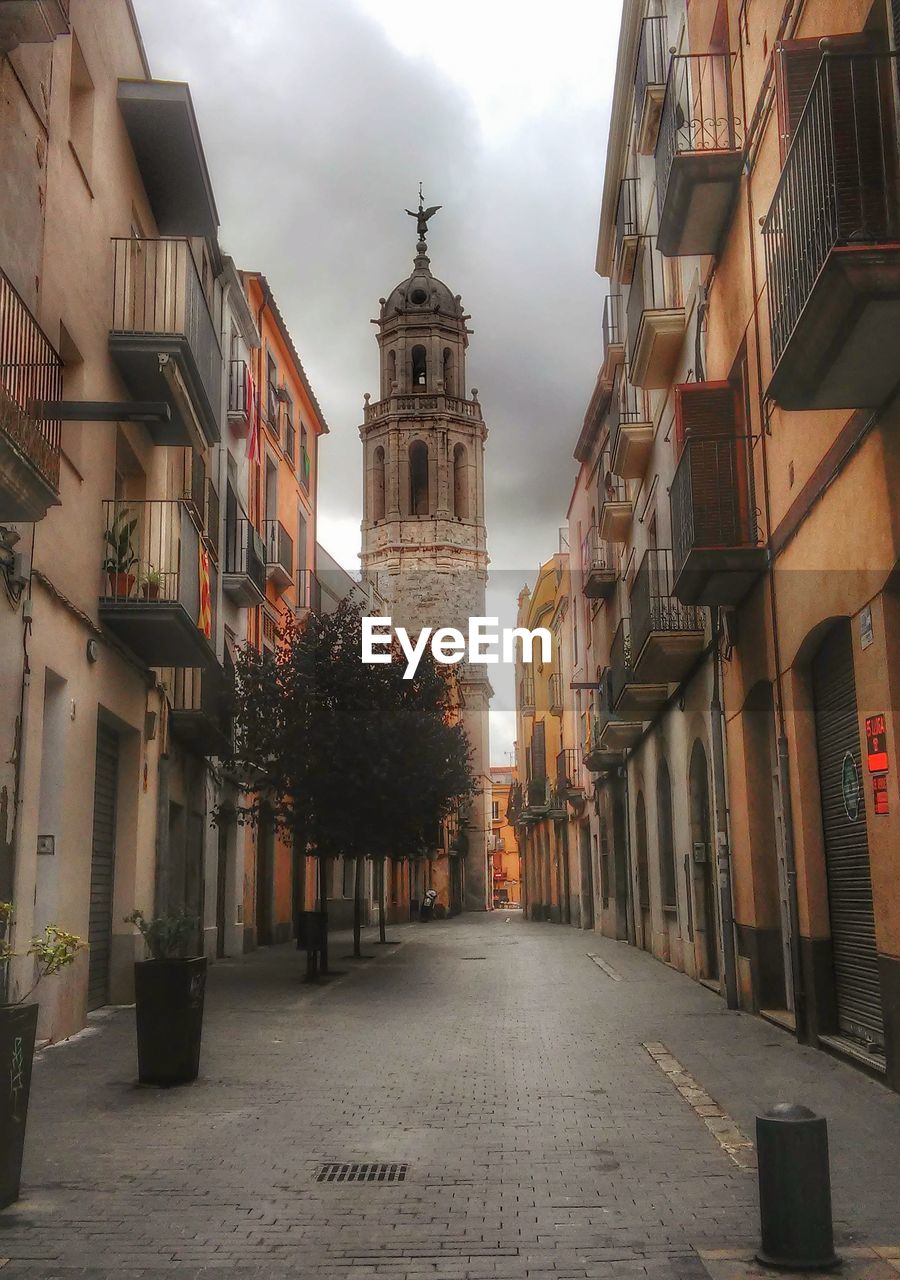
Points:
(423, 532)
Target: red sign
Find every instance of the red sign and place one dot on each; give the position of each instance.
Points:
(876, 744)
(882, 807)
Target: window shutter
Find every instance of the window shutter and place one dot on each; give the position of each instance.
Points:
(538, 752)
(796, 64)
(705, 409)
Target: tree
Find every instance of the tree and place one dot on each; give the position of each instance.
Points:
(346, 758)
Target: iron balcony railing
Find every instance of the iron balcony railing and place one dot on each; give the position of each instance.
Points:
(568, 769)
(245, 553)
(202, 692)
(652, 59)
(526, 692)
(596, 555)
(653, 606)
(30, 374)
(620, 670)
(157, 291)
(652, 289)
(290, 442)
(279, 546)
(610, 487)
(627, 406)
(556, 692)
(712, 497)
(537, 793)
(838, 185)
(613, 335)
(151, 555)
(238, 389)
(626, 212)
(698, 112)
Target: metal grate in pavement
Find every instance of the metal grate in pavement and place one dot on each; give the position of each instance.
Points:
(338, 1172)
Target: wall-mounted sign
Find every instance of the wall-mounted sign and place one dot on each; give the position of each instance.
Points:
(866, 630)
(882, 805)
(876, 744)
(850, 788)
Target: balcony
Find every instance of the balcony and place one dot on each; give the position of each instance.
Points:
(30, 371)
(279, 554)
(164, 338)
(309, 591)
(613, 337)
(240, 399)
(630, 430)
(526, 695)
(699, 154)
(537, 797)
(650, 83)
(716, 549)
(632, 700)
(614, 733)
(616, 508)
(244, 578)
(597, 757)
(568, 773)
(667, 636)
(413, 405)
(199, 716)
(556, 694)
(627, 228)
(152, 582)
(832, 240)
(598, 570)
(656, 320)
(32, 22)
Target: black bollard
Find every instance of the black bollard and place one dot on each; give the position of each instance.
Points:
(794, 1190)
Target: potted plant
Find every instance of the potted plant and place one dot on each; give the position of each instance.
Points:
(150, 584)
(168, 993)
(120, 558)
(52, 951)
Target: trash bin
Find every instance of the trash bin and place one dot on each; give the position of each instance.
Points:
(794, 1190)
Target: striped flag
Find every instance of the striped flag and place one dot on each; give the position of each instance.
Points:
(204, 620)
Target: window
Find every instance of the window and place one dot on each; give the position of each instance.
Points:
(495, 810)
(666, 836)
(305, 464)
(449, 382)
(418, 478)
(378, 484)
(419, 364)
(391, 373)
(271, 390)
(81, 109)
(460, 482)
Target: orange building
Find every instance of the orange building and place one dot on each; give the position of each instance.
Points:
(503, 846)
(283, 452)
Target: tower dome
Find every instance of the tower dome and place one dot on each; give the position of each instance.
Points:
(422, 293)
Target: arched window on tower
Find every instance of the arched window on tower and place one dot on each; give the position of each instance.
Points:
(378, 484)
(419, 374)
(449, 377)
(460, 482)
(391, 372)
(418, 478)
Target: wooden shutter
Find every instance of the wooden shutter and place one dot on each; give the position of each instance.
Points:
(796, 64)
(708, 414)
(704, 410)
(538, 752)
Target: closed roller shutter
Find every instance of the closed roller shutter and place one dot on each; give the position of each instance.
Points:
(102, 866)
(841, 778)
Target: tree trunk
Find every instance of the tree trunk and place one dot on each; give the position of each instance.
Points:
(298, 860)
(357, 909)
(381, 907)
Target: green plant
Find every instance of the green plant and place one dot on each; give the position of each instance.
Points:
(52, 950)
(165, 936)
(121, 556)
(152, 577)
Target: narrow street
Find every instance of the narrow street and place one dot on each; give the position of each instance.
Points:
(499, 1062)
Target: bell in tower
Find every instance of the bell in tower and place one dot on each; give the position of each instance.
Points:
(424, 540)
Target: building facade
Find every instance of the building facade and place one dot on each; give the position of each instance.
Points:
(506, 865)
(424, 544)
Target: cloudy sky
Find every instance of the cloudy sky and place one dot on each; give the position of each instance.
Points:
(320, 117)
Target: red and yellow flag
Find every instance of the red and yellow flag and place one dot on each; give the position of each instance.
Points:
(204, 620)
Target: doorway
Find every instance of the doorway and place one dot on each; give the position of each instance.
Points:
(103, 865)
(706, 929)
(643, 870)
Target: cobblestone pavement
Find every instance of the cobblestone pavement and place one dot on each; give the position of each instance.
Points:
(499, 1061)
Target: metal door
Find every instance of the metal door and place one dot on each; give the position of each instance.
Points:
(103, 863)
(850, 905)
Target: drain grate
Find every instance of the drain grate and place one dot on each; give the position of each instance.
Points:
(337, 1172)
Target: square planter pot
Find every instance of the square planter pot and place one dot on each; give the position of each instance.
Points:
(169, 1013)
(18, 1024)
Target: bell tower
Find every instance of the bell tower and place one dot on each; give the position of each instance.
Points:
(423, 534)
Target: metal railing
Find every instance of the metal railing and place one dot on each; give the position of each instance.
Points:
(537, 793)
(620, 670)
(610, 487)
(613, 335)
(653, 606)
(245, 553)
(652, 60)
(698, 112)
(596, 555)
(556, 692)
(568, 769)
(290, 442)
(279, 546)
(238, 389)
(526, 692)
(627, 406)
(309, 591)
(157, 290)
(838, 185)
(652, 289)
(30, 372)
(626, 211)
(713, 497)
(151, 553)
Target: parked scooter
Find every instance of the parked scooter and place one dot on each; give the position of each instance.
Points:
(426, 911)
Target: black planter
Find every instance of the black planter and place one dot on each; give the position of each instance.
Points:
(18, 1024)
(169, 1004)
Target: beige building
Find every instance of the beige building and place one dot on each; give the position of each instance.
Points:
(503, 847)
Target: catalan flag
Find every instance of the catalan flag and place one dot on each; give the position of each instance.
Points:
(204, 620)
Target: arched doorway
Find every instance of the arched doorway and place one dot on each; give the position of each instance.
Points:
(851, 910)
(643, 870)
(706, 926)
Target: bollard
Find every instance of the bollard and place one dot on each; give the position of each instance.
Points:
(794, 1190)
